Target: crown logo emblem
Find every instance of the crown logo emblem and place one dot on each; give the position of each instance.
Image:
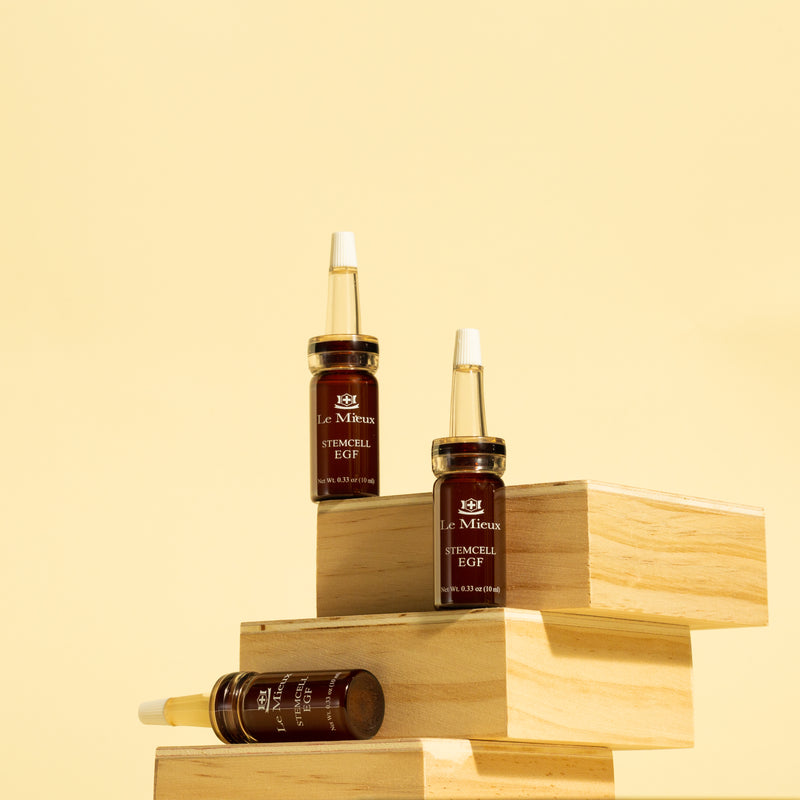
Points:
(471, 507)
(346, 402)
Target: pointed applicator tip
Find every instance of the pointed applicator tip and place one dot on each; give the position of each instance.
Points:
(468, 348)
(343, 249)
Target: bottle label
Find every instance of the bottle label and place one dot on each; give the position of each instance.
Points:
(469, 520)
(292, 707)
(344, 430)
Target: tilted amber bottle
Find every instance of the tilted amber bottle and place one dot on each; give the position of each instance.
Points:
(279, 707)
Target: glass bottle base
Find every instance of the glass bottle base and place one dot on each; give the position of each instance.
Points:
(465, 606)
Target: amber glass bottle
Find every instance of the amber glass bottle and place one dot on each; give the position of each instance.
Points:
(344, 390)
(468, 495)
(279, 707)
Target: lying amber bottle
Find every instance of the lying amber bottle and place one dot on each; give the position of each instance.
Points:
(279, 707)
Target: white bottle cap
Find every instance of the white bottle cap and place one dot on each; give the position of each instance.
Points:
(343, 249)
(152, 712)
(468, 348)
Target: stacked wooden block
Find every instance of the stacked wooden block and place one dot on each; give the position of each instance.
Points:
(592, 654)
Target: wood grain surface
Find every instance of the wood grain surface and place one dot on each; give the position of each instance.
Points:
(502, 673)
(579, 546)
(415, 769)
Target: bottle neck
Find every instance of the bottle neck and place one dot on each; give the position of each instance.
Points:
(468, 448)
(341, 351)
(486, 454)
(224, 707)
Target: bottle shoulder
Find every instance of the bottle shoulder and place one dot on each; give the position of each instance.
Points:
(452, 479)
(340, 376)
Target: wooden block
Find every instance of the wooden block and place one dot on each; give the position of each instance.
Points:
(502, 673)
(581, 546)
(414, 769)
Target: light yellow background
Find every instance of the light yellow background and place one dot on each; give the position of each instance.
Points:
(608, 190)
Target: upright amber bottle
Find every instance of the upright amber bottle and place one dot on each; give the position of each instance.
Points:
(344, 390)
(468, 495)
(279, 707)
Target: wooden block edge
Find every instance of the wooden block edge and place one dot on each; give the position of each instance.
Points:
(438, 746)
(551, 488)
(578, 619)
